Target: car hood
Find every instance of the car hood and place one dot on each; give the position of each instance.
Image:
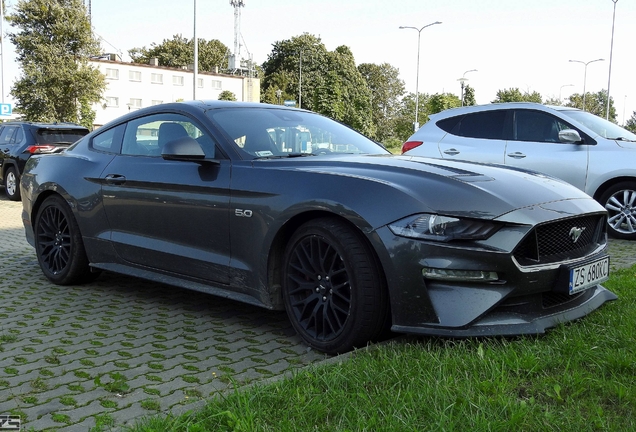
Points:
(446, 187)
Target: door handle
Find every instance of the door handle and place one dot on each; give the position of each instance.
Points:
(451, 152)
(516, 155)
(115, 179)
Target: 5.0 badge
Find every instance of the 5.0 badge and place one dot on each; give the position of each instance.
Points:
(243, 213)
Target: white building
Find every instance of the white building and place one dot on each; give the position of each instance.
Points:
(132, 86)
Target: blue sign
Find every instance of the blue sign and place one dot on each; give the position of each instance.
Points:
(5, 109)
(290, 103)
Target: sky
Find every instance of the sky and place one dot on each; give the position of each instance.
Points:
(511, 43)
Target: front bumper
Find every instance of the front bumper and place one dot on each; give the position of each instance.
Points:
(532, 318)
(525, 299)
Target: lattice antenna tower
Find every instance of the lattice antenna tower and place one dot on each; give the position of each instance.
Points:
(90, 15)
(235, 60)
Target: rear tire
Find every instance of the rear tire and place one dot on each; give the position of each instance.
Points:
(12, 184)
(334, 292)
(58, 244)
(620, 203)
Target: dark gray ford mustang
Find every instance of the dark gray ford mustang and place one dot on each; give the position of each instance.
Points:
(286, 209)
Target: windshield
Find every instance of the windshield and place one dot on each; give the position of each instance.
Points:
(272, 132)
(601, 126)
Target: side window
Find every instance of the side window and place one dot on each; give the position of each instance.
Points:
(108, 141)
(19, 136)
(537, 126)
(6, 136)
(485, 125)
(147, 136)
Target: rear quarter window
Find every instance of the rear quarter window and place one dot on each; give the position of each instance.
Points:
(485, 125)
(109, 141)
(449, 124)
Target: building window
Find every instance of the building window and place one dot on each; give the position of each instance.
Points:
(177, 80)
(156, 78)
(134, 103)
(156, 102)
(216, 84)
(134, 75)
(112, 101)
(112, 73)
(200, 82)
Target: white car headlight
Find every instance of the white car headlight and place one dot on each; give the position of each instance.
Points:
(442, 228)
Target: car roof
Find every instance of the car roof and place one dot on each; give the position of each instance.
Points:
(211, 104)
(497, 106)
(193, 106)
(56, 125)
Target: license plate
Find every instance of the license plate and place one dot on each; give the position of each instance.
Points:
(588, 275)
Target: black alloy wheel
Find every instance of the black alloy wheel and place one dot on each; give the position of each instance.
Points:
(620, 203)
(58, 244)
(334, 293)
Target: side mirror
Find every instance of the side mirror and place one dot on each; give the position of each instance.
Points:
(570, 136)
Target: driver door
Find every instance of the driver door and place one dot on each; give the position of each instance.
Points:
(164, 214)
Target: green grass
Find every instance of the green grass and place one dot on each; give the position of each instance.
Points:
(578, 377)
(114, 382)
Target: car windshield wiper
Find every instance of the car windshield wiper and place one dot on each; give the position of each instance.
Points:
(285, 156)
(293, 155)
(622, 139)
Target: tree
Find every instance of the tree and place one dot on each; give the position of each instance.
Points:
(442, 101)
(344, 95)
(631, 123)
(469, 96)
(322, 81)
(179, 52)
(595, 103)
(554, 101)
(227, 95)
(406, 115)
(54, 42)
(515, 95)
(386, 90)
(301, 56)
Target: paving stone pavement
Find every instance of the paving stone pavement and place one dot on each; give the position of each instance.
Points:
(121, 348)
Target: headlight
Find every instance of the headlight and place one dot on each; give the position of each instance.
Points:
(442, 228)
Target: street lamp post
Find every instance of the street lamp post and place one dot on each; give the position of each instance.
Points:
(463, 80)
(416, 125)
(2, 47)
(300, 80)
(585, 74)
(564, 85)
(195, 71)
(609, 77)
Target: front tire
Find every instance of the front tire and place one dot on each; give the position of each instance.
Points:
(58, 244)
(620, 203)
(334, 292)
(12, 184)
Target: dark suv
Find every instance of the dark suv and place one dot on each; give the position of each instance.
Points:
(20, 140)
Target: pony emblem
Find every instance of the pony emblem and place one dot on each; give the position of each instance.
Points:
(575, 233)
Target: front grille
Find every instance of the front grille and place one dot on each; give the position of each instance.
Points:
(553, 242)
(534, 303)
(552, 299)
